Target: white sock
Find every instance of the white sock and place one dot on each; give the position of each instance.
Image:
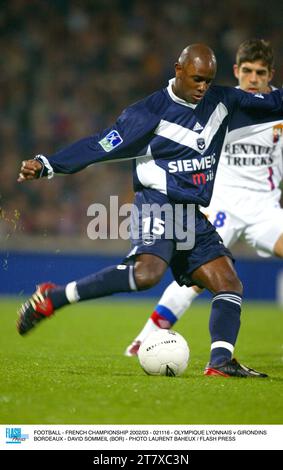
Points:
(148, 328)
(178, 298)
(71, 292)
(175, 298)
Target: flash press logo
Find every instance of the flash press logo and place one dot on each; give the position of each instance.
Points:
(15, 436)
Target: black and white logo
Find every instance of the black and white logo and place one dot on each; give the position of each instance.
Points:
(197, 127)
(201, 143)
(148, 239)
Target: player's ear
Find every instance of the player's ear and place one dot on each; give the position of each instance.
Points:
(271, 75)
(178, 69)
(236, 70)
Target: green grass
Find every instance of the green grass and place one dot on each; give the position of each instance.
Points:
(71, 370)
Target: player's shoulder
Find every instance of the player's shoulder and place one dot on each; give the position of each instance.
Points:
(145, 112)
(217, 94)
(222, 91)
(155, 103)
(228, 95)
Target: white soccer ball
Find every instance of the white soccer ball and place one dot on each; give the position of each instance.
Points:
(164, 352)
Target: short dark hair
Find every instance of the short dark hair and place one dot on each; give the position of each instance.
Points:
(255, 49)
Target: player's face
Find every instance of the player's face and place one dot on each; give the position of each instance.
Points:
(193, 79)
(253, 76)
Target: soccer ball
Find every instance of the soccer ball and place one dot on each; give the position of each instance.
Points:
(164, 352)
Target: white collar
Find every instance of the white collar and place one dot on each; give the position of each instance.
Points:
(175, 97)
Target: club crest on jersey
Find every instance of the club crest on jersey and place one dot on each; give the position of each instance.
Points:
(148, 239)
(111, 141)
(201, 143)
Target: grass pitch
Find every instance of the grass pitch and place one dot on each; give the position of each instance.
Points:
(71, 369)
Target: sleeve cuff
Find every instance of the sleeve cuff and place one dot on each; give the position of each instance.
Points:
(47, 169)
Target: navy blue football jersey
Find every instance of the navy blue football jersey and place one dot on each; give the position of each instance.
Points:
(175, 145)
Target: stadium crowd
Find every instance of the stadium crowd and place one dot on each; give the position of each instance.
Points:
(68, 68)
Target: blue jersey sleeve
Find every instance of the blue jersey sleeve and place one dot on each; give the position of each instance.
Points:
(249, 113)
(126, 139)
(272, 101)
(234, 98)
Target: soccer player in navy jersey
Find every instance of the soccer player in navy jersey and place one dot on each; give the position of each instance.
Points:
(175, 136)
(246, 194)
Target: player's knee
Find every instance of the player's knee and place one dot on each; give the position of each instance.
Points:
(278, 247)
(232, 283)
(147, 275)
(238, 286)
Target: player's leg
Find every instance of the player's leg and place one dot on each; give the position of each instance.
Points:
(150, 263)
(145, 273)
(278, 247)
(220, 278)
(265, 234)
(176, 299)
(209, 265)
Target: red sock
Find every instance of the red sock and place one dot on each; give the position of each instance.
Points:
(160, 321)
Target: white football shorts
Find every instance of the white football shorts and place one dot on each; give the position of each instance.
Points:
(255, 217)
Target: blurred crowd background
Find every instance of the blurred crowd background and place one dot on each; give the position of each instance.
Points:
(68, 68)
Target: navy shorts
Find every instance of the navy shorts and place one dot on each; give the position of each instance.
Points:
(159, 232)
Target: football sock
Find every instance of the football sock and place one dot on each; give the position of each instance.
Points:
(177, 299)
(148, 328)
(163, 320)
(172, 305)
(163, 317)
(106, 282)
(224, 325)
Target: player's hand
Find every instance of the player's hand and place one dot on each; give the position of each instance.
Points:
(30, 170)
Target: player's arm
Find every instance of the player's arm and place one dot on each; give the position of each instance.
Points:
(272, 101)
(248, 113)
(126, 139)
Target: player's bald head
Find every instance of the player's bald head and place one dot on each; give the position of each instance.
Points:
(195, 70)
(198, 54)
